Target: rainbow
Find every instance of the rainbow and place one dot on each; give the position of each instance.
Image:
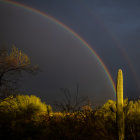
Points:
(121, 49)
(17, 4)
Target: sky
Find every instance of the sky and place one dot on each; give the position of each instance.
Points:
(111, 28)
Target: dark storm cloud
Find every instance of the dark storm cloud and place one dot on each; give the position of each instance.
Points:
(122, 22)
(63, 60)
(122, 15)
(107, 25)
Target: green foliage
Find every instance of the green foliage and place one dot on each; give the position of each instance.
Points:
(25, 117)
(19, 114)
(132, 120)
(23, 105)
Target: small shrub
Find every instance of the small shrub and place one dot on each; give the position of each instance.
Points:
(18, 116)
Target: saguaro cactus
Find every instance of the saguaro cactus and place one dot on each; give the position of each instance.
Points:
(119, 106)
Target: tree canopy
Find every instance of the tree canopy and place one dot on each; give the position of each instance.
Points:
(12, 64)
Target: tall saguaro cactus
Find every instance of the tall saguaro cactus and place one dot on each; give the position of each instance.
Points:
(119, 106)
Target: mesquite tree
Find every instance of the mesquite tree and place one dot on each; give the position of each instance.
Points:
(12, 64)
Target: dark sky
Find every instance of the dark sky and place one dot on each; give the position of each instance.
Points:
(112, 28)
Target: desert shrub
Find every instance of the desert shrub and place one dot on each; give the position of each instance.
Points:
(18, 114)
(77, 126)
(21, 121)
(23, 106)
(106, 120)
(131, 114)
(132, 120)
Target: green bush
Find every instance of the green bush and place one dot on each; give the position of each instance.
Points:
(18, 115)
(23, 105)
(26, 118)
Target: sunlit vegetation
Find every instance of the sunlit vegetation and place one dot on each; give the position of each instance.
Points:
(25, 117)
(119, 105)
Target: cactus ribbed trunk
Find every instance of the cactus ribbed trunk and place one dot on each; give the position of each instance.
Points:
(119, 106)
